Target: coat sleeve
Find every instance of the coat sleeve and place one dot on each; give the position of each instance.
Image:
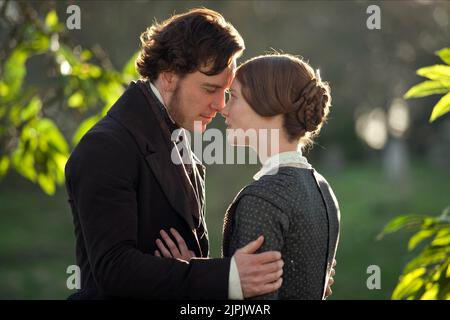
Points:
(255, 216)
(101, 176)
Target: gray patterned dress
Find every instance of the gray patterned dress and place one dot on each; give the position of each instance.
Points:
(298, 214)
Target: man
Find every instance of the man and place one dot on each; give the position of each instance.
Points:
(123, 186)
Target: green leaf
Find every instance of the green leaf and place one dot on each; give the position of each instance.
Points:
(76, 100)
(403, 222)
(420, 236)
(84, 127)
(436, 72)
(60, 163)
(48, 130)
(441, 108)
(442, 238)
(15, 70)
(65, 53)
(428, 257)
(4, 89)
(4, 165)
(85, 71)
(23, 161)
(51, 20)
(110, 91)
(46, 183)
(409, 284)
(85, 55)
(428, 88)
(444, 54)
(129, 71)
(32, 109)
(431, 291)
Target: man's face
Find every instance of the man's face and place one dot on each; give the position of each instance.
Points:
(198, 97)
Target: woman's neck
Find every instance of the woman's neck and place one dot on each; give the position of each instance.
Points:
(283, 146)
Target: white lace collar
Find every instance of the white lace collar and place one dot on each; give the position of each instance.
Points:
(283, 159)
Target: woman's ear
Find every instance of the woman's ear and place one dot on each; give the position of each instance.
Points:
(169, 81)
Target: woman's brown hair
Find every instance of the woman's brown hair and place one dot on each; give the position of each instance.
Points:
(285, 84)
(187, 42)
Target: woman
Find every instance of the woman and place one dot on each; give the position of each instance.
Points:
(289, 202)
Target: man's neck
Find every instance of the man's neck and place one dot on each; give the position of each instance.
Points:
(160, 94)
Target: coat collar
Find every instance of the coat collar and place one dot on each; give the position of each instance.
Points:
(137, 111)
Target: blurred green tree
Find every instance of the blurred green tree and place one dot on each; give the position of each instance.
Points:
(31, 143)
(427, 276)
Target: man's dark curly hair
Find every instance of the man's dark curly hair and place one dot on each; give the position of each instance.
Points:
(188, 42)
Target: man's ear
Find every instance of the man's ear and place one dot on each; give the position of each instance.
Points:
(169, 81)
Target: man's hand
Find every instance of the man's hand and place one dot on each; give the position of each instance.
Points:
(259, 273)
(328, 291)
(169, 249)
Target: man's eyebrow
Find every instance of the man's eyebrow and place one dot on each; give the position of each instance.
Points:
(211, 85)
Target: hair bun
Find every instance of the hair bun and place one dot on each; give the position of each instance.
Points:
(310, 108)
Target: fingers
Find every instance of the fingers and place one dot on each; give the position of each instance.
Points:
(272, 267)
(157, 254)
(270, 287)
(163, 249)
(274, 276)
(330, 282)
(334, 263)
(252, 246)
(170, 244)
(267, 257)
(180, 241)
(328, 292)
(332, 272)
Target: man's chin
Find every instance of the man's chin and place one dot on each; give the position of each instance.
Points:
(196, 126)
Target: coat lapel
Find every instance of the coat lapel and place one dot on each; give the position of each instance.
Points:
(139, 114)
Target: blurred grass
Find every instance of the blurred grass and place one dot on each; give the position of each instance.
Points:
(37, 242)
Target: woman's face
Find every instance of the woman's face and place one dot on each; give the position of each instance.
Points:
(243, 123)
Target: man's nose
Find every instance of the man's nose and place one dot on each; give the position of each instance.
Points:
(219, 103)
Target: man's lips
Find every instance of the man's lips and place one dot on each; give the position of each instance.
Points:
(209, 118)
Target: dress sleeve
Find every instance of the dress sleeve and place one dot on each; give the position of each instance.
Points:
(255, 216)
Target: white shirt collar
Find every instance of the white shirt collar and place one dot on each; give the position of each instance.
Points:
(159, 96)
(293, 158)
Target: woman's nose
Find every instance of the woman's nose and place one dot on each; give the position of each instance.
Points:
(224, 111)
